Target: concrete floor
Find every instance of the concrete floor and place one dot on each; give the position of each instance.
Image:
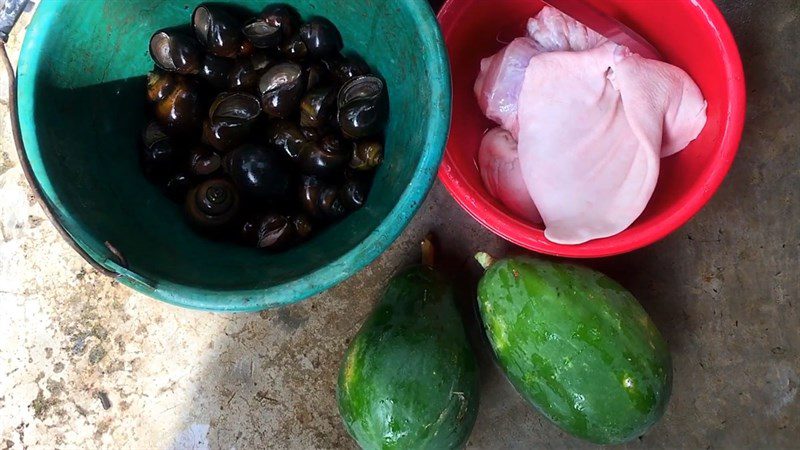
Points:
(87, 363)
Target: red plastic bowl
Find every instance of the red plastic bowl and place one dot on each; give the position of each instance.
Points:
(691, 34)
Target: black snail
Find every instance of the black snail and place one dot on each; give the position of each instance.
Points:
(318, 107)
(230, 120)
(212, 204)
(215, 71)
(281, 89)
(286, 136)
(321, 37)
(363, 105)
(261, 127)
(204, 162)
(217, 31)
(259, 173)
(262, 33)
(343, 68)
(366, 155)
(244, 75)
(325, 158)
(175, 52)
(283, 17)
(175, 101)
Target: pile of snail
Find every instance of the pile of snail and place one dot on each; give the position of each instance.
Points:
(261, 128)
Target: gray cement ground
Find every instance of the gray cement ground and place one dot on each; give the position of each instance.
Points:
(87, 363)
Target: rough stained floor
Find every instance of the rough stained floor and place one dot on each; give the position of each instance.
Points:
(86, 363)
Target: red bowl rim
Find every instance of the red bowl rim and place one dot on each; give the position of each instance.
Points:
(518, 232)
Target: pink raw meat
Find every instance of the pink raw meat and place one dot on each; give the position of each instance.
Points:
(500, 78)
(660, 94)
(589, 147)
(553, 30)
(499, 166)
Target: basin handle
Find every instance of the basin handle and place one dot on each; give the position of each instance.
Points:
(9, 13)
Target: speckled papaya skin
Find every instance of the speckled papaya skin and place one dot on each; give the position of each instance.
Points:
(577, 346)
(409, 379)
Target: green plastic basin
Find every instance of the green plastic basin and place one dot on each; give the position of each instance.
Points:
(80, 94)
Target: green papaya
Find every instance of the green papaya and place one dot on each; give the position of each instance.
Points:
(576, 345)
(409, 379)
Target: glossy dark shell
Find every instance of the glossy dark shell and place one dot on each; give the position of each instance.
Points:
(320, 200)
(159, 85)
(275, 232)
(311, 134)
(321, 37)
(310, 190)
(261, 60)
(345, 68)
(152, 133)
(180, 112)
(331, 204)
(212, 204)
(204, 162)
(285, 136)
(223, 138)
(316, 74)
(259, 173)
(333, 144)
(248, 230)
(159, 159)
(367, 155)
(246, 48)
(243, 76)
(302, 226)
(262, 34)
(234, 109)
(230, 121)
(282, 16)
(215, 70)
(318, 107)
(281, 89)
(178, 186)
(175, 52)
(353, 194)
(294, 48)
(316, 159)
(363, 107)
(217, 30)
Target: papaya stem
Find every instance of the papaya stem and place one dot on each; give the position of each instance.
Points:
(484, 259)
(428, 250)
